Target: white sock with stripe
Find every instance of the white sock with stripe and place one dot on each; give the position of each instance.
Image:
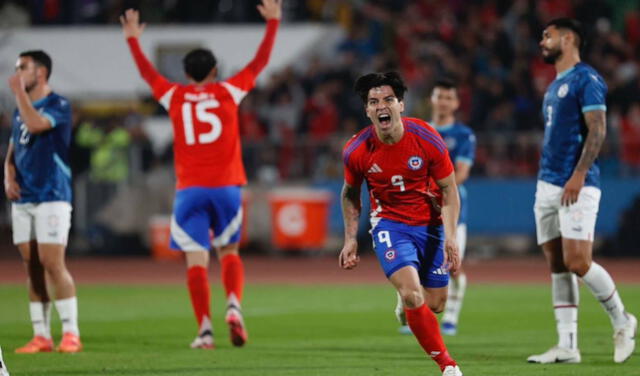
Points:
(566, 296)
(457, 288)
(68, 312)
(40, 318)
(604, 289)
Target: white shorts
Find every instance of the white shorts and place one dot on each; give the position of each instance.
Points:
(577, 221)
(461, 238)
(46, 222)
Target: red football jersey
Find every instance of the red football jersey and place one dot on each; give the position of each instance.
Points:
(207, 148)
(400, 177)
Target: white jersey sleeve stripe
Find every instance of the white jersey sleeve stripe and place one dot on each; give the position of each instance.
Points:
(229, 231)
(165, 100)
(237, 93)
(183, 239)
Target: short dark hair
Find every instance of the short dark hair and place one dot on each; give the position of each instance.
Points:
(572, 25)
(371, 80)
(199, 63)
(39, 57)
(445, 83)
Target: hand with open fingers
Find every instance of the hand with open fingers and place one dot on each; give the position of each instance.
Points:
(349, 258)
(270, 9)
(16, 83)
(451, 255)
(131, 26)
(572, 190)
(12, 189)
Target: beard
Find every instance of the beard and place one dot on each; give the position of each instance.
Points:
(552, 56)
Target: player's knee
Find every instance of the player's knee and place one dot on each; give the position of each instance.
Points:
(577, 265)
(437, 305)
(412, 298)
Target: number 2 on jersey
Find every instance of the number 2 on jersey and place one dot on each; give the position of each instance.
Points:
(203, 116)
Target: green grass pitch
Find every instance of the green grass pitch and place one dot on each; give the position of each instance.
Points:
(309, 330)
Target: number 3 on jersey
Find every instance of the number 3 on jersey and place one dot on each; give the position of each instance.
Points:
(204, 117)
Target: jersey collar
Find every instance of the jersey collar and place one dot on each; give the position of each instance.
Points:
(442, 128)
(565, 72)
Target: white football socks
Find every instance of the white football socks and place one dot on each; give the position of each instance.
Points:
(68, 312)
(604, 289)
(457, 288)
(565, 295)
(40, 318)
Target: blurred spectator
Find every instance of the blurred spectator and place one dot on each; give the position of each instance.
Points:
(630, 141)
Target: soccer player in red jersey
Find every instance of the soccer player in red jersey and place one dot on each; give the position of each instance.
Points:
(208, 165)
(414, 207)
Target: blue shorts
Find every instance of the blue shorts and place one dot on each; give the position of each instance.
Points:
(198, 210)
(398, 245)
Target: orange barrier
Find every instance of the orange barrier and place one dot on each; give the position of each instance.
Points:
(299, 218)
(159, 226)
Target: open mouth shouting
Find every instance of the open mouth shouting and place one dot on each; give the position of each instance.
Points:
(385, 120)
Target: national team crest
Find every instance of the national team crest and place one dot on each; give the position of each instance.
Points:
(415, 163)
(390, 255)
(563, 90)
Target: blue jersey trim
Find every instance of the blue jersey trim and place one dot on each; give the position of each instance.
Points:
(41, 100)
(432, 142)
(594, 107)
(51, 119)
(565, 72)
(442, 128)
(427, 136)
(466, 160)
(63, 166)
(364, 136)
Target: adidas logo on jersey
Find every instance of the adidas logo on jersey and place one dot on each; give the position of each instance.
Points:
(374, 168)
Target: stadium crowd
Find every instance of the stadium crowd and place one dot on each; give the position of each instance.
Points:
(295, 125)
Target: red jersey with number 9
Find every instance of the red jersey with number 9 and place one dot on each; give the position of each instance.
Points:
(400, 177)
(207, 148)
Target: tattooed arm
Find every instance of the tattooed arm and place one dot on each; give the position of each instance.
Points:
(351, 208)
(596, 122)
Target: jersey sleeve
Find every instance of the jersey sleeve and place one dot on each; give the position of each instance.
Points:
(243, 81)
(467, 149)
(592, 93)
(440, 165)
(161, 88)
(352, 174)
(58, 114)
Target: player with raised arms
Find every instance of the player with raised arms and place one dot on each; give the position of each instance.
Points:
(208, 164)
(406, 166)
(568, 193)
(37, 179)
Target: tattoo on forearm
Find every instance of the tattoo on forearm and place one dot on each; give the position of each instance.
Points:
(597, 131)
(350, 210)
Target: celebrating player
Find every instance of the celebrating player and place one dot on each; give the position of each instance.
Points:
(461, 143)
(208, 166)
(38, 181)
(404, 162)
(568, 193)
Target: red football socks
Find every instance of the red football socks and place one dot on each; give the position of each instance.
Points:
(198, 283)
(425, 327)
(233, 275)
